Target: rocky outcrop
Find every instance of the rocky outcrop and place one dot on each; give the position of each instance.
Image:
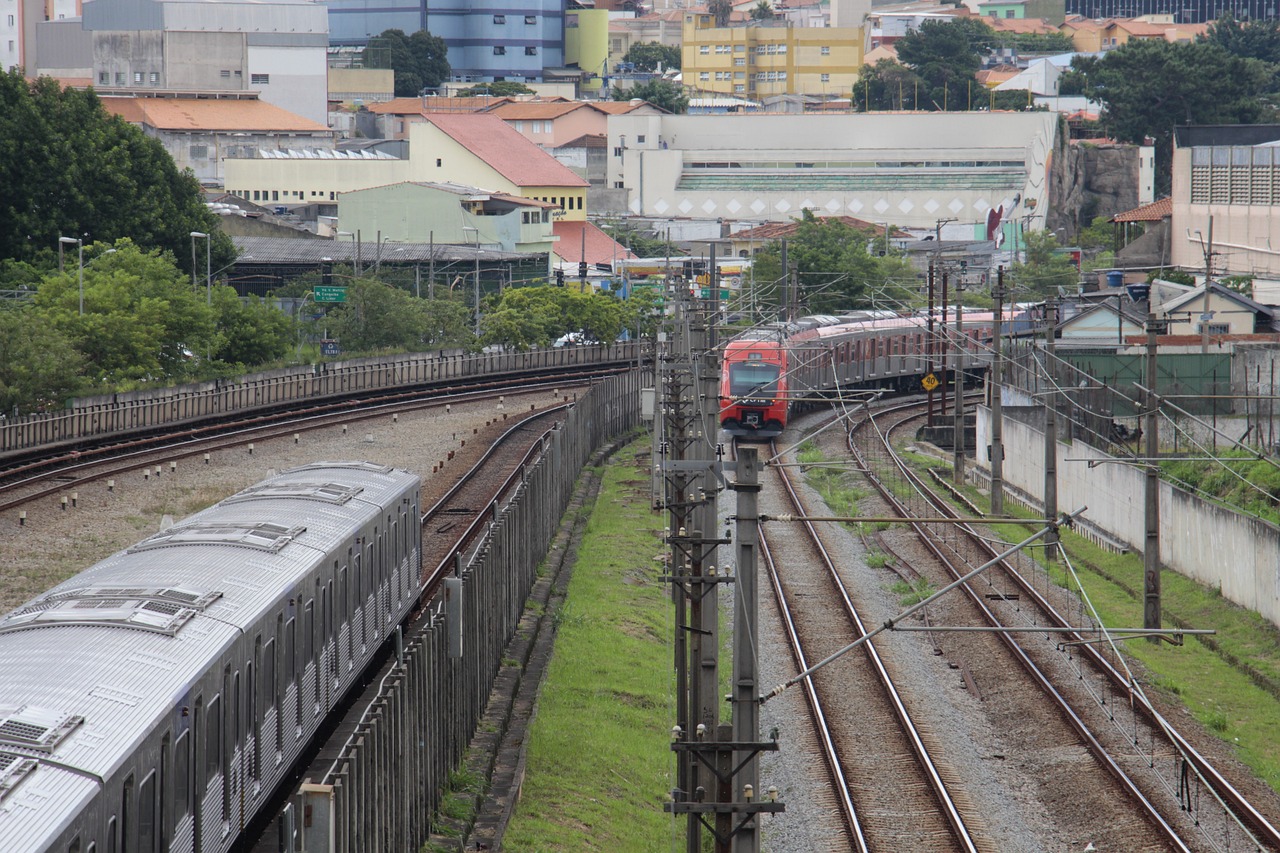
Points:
(1090, 179)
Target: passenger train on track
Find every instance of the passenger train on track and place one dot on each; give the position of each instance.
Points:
(154, 702)
(770, 370)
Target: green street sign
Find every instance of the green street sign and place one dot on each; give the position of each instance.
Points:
(330, 294)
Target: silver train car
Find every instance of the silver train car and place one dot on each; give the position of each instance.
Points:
(153, 702)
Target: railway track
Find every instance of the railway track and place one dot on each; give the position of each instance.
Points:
(885, 784)
(1181, 799)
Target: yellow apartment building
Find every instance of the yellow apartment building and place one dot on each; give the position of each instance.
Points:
(769, 58)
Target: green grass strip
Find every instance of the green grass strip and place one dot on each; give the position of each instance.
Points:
(599, 761)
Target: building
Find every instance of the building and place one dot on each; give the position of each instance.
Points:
(760, 60)
(448, 213)
(486, 42)
(470, 150)
(553, 124)
(911, 170)
(276, 49)
(200, 132)
(1180, 11)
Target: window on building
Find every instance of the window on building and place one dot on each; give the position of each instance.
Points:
(439, 162)
(119, 78)
(518, 125)
(640, 138)
(617, 152)
(499, 19)
(739, 75)
(826, 50)
(259, 79)
(739, 48)
(704, 76)
(617, 185)
(225, 73)
(1008, 13)
(530, 51)
(155, 78)
(546, 127)
(739, 89)
(704, 49)
(239, 73)
(199, 152)
(104, 78)
(739, 61)
(499, 50)
(530, 20)
(137, 77)
(826, 78)
(1213, 328)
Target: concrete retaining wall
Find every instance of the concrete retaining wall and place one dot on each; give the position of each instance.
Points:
(1211, 544)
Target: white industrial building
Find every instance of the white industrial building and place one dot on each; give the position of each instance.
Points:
(909, 169)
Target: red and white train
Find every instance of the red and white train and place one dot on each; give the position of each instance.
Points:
(769, 370)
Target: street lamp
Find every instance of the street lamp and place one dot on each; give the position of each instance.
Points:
(79, 241)
(208, 266)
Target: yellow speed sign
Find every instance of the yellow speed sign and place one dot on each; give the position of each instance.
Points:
(929, 382)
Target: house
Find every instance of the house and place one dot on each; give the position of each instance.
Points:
(393, 117)
(1213, 311)
(1151, 247)
(276, 48)
(470, 150)
(1106, 323)
(420, 212)
(553, 124)
(201, 131)
(578, 242)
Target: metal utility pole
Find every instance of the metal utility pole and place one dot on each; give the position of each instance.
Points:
(786, 283)
(943, 349)
(957, 440)
(996, 450)
(1151, 544)
(1050, 431)
(746, 648)
(928, 346)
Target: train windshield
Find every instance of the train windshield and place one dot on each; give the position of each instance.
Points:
(753, 379)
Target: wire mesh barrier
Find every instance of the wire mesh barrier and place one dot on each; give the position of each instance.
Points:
(392, 772)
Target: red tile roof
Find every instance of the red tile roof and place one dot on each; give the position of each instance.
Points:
(505, 150)
(600, 247)
(423, 106)
(520, 110)
(209, 114)
(1154, 212)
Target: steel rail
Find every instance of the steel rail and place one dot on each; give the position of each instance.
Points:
(1244, 811)
(938, 786)
(1037, 675)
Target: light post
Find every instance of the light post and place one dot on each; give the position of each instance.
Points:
(208, 266)
(79, 241)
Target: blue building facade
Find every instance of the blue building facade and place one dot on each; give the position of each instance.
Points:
(488, 40)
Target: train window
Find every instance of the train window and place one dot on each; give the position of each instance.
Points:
(212, 740)
(113, 830)
(127, 829)
(256, 691)
(308, 633)
(230, 689)
(290, 650)
(164, 792)
(74, 846)
(147, 835)
(357, 573)
(181, 777)
(322, 595)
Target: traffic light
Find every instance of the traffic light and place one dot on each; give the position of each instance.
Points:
(582, 269)
(559, 278)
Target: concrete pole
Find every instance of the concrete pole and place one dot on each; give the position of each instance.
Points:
(746, 710)
(957, 440)
(928, 345)
(997, 414)
(1151, 544)
(1050, 433)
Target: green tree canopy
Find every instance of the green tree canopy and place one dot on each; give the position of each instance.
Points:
(1045, 270)
(67, 168)
(420, 61)
(537, 316)
(648, 56)
(721, 10)
(946, 55)
(377, 317)
(762, 11)
(661, 93)
(1248, 40)
(251, 331)
(1149, 86)
(836, 272)
(39, 366)
(498, 89)
(142, 319)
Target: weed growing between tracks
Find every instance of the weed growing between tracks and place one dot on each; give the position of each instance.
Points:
(599, 758)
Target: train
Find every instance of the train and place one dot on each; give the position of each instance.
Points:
(154, 702)
(770, 370)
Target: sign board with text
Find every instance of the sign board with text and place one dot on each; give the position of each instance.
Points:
(330, 294)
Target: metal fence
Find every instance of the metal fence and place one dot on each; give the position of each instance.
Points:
(392, 773)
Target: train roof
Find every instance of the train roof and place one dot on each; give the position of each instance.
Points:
(88, 669)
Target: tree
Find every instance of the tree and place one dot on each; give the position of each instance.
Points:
(649, 56)
(537, 316)
(252, 331)
(721, 10)
(640, 244)
(38, 365)
(420, 61)
(661, 93)
(1148, 87)
(377, 317)
(499, 89)
(1249, 40)
(1045, 271)
(836, 272)
(888, 85)
(762, 11)
(142, 320)
(946, 55)
(67, 168)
